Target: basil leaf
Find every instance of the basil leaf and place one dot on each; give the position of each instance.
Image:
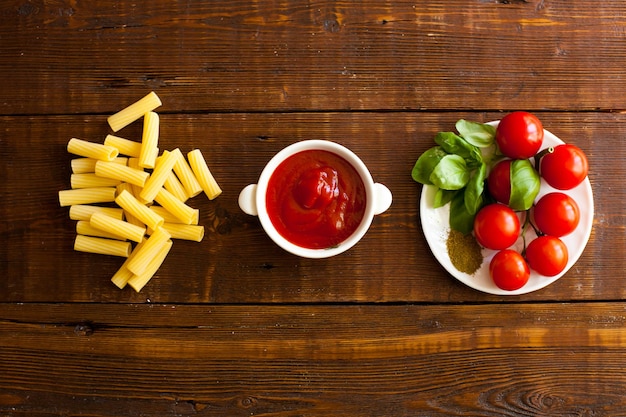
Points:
(478, 134)
(451, 173)
(454, 144)
(474, 190)
(426, 163)
(443, 197)
(525, 184)
(460, 219)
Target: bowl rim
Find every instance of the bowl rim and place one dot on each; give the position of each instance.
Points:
(324, 145)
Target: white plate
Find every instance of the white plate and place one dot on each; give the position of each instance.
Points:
(435, 223)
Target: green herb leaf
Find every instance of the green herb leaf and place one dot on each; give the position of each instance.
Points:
(460, 219)
(454, 144)
(426, 163)
(477, 134)
(443, 197)
(525, 184)
(474, 190)
(451, 173)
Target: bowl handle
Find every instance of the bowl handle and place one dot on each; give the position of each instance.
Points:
(382, 198)
(247, 200)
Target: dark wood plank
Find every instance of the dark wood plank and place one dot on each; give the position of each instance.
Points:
(68, 57)
(154, 360)
(236, 262)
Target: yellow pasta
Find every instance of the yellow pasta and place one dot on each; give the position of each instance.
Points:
(123, 186)
(159, 175)
(84, 211)
(134, 163)
(128, 216)
(133, 207)
(134, 182)
(121, 172)
(185, 231)
(102, 246)
(203, 174)
(120, 228)
(91, 150)
(138, 281)
(174, 186)
(148, 251)
(187, 178)
(133, 112)
(123, 274)
(88, 165)
(124, 146)
(182, 211)
(169, 217)
(84, 227)
(149, 140)
(86, 196)
(90, 180)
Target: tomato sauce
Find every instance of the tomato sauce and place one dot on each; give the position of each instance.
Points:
(315, 199)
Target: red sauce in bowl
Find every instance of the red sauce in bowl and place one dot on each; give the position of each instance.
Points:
(315, 199)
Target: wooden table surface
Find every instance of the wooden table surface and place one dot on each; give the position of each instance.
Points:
(234, 325)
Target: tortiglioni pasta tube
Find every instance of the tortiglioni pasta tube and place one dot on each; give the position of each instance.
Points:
(174, 186)
(148, 251)
(159, 175)
(149, 140)
(182, 211)
(124, 146)
(133, 112)
(184, 231)
(91, 150)
(121, 172)
(122, 275)
(139, 281)
(119, 228)
(84, 211)
(203, 174)
(86, 196)
(187, 177)
(129, 203)
(88, 165)
(102, 246)
(84, 227)
(170, 218)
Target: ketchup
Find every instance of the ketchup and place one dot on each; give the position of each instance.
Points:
(315, 199)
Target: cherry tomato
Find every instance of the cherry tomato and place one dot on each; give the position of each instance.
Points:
(564, 168)
(499, 181)
(556, 214)
(509, 270)
(496, 226)
(519, 135)
(547, 255)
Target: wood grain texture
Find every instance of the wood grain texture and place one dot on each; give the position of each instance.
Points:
(86, 57)
(154, 360)
(236, 262)
(235, 326)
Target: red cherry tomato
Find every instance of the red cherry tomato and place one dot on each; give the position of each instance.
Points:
(496, 226)
(547, 255)
(556, 214)
(564, 168)
(519, 135)
(509, 270)
(499, 181)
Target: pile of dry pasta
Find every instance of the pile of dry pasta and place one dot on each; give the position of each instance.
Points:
(135, 182)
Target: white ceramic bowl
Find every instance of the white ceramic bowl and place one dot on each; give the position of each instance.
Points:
(252, 198)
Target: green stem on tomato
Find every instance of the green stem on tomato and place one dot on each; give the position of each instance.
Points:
(541, 155)
(528, 222)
